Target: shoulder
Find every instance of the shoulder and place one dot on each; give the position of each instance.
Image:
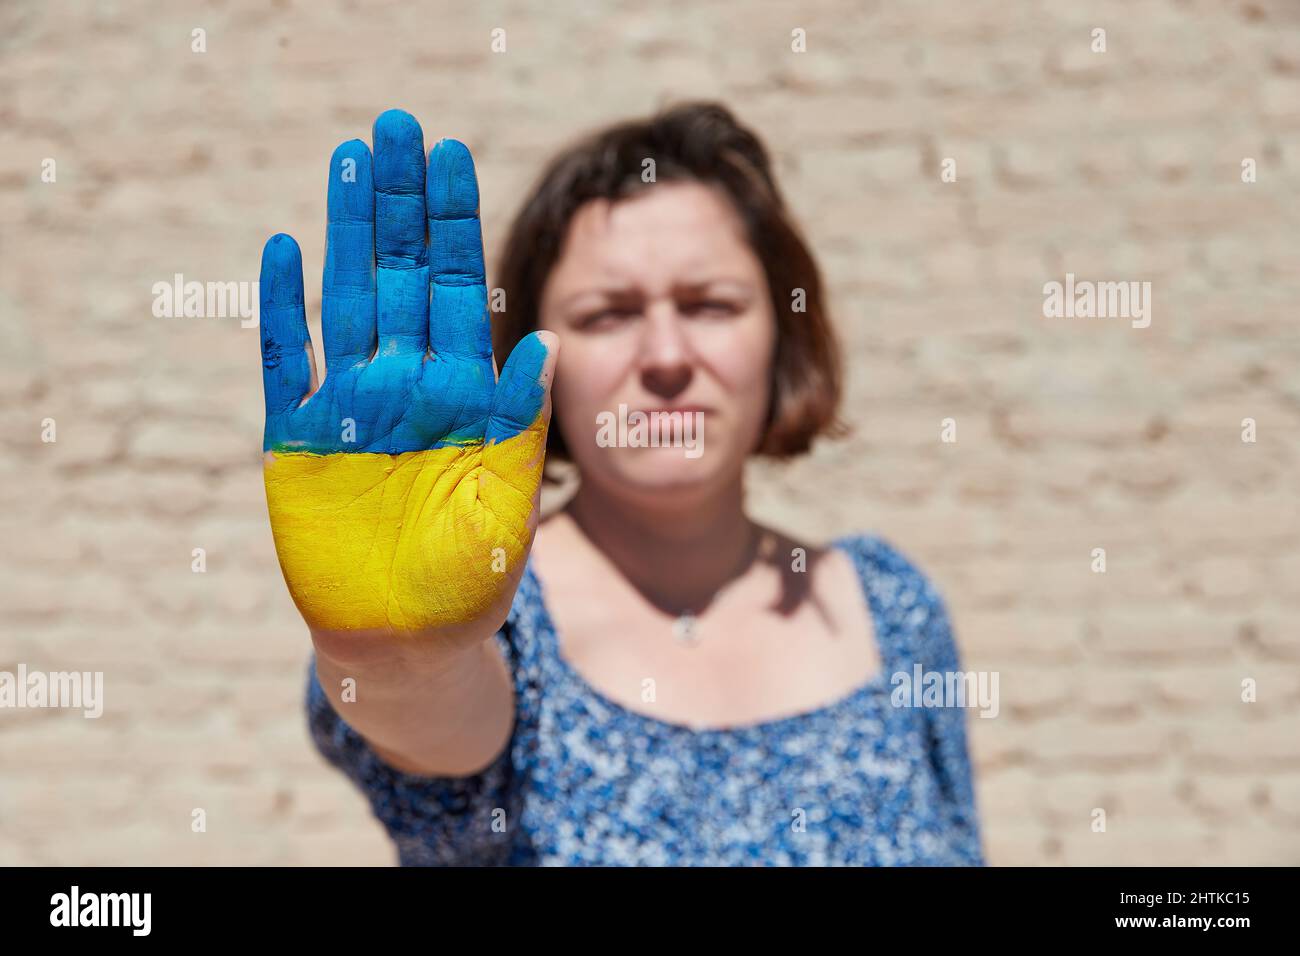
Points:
(907, 603)
(887, 569)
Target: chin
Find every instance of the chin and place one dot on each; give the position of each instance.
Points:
(668, 470)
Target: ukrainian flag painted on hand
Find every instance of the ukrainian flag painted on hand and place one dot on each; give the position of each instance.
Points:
(402, 493)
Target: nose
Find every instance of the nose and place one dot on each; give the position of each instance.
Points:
(666, 359)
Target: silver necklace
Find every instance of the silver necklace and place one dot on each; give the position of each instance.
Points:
(686, 626)
(685, 629)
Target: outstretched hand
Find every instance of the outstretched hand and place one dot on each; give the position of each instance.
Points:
(403, 490)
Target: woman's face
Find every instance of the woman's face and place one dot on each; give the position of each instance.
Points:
(661, 306)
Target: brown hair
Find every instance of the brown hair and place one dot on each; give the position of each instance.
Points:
(701, 142)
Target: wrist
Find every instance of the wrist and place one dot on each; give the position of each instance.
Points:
(381, 659)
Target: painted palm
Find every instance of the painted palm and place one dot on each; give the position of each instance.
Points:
(402, 492)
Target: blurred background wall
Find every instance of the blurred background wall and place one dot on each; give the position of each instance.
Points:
(1119, 690)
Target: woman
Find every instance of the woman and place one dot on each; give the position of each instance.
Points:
(649, 676)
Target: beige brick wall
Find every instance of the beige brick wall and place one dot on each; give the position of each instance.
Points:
(1119, 690)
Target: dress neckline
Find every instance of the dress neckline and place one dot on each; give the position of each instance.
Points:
(876, 684)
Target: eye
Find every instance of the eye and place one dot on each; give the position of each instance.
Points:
(607, 318)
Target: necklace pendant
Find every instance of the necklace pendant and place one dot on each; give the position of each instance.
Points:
(685, 630)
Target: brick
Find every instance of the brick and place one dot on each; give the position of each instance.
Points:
(1018, 844)
(1160, 634)
(193, 445)
(1226, 799)
(1282, 796)
(1137, 843)
(1244, 744)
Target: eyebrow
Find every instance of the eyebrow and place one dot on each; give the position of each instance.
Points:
(702, 284)
(628, 292)
(609, 292)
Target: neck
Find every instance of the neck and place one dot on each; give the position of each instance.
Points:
(678, 555)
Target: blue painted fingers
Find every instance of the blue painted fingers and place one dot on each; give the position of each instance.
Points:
(405, 322)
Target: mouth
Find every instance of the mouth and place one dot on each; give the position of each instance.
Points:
(663, 426)
(668, 410)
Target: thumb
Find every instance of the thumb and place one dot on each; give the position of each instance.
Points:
(515, 439)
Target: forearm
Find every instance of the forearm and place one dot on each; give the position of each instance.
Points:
(449, 717)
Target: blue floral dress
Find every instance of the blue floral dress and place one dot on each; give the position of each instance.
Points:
(586, 781)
